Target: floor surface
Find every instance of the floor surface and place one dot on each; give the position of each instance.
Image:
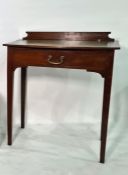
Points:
(62, 149)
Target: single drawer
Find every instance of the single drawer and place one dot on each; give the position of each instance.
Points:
(88, 59)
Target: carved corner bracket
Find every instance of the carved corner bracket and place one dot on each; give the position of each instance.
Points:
(102, 73)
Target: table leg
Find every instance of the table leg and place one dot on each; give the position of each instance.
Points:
(105, 115)
(23, 95)
(10, 77)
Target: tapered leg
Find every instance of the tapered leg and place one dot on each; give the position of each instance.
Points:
(23, 95)
(105, 114)
(10, 76)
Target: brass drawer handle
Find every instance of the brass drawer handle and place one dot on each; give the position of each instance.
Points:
(61, 60)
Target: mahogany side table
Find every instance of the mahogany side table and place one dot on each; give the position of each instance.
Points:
(93, 51)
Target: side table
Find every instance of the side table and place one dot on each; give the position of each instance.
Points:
(93, 51)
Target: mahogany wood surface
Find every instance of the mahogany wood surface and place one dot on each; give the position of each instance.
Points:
(64, 44)
(92, 51)
(23, 95)
(78, 36)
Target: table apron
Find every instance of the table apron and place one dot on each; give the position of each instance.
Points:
(97, 60)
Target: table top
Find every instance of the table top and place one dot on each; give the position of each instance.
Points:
(64, 44)
(66, 40)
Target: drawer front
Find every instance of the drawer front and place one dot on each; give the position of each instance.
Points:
(89, 59)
